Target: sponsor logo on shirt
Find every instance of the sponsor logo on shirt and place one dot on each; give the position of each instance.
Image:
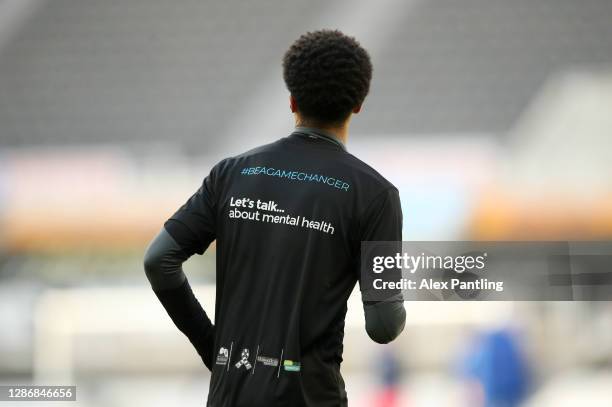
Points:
(267, 361)
(291, 365)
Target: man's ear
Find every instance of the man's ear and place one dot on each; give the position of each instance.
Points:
(292, 104)
(357, 109)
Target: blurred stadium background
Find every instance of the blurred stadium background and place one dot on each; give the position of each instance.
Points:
(494, 119)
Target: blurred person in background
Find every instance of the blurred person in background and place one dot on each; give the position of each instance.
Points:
(496, 370)
(389, 392)
(288, 218)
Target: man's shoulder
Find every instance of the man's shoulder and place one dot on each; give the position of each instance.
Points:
(354, 167)
(365, 171)
(240, 158)
(262, 149)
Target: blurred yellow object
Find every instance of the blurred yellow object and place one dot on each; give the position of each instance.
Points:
(550, 216)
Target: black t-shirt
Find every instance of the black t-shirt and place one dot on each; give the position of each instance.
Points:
(288, 218)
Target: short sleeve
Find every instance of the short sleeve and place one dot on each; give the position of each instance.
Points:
(381, 222)
(382, 219)
(194, 225)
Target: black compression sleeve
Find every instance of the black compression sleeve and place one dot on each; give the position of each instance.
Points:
(163, 262)
(163, 266)
(187, 314)
(384, 320)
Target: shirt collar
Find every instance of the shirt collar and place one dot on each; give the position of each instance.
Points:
(316, 133)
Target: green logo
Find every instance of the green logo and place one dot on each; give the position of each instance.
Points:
(291, 366)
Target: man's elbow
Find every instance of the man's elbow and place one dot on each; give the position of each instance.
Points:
(385, 321)
(151, 262)
(162, 262)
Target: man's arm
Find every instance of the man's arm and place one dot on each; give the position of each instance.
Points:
(190, 230)
(163, 266)
(382, 221)
(385, 320)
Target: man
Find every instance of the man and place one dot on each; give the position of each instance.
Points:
(288, 218)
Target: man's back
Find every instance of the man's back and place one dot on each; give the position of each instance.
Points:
(289, 218)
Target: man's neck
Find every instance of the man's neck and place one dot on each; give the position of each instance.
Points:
(338, 132)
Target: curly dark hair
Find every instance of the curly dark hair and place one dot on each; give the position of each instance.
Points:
(328, 74)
